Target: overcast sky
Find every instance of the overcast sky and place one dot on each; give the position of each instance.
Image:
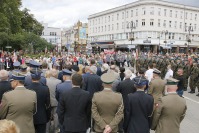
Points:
(64, 13)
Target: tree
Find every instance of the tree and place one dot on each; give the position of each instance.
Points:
(30, 24)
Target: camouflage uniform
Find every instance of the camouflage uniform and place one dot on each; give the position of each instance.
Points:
(193, 78)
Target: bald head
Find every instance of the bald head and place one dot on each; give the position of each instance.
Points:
(3, 75)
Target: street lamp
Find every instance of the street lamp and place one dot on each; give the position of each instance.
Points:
(165, 32)
(188, 29)
(131, 25)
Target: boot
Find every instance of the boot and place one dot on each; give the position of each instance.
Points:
(197, 95)
(185, 88)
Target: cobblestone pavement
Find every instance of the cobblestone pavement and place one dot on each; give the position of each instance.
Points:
(190, 124)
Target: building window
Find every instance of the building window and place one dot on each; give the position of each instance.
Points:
(117, 26)
(131, 13)
(102, 28)
(98, 29)
(181, 14)
(159, 23)
(99, 21)
(159, 11)
(152, 11)
(53, 33)
(122, 15)
(195, 27)
(143, 22)
(186, 14)
(127, 14)
(164, 24)
(112, 26)
(170, 24)
(191, 16)
(136, 12)
(175, 24)
(93, 30)
(180, 25)
(127, 35)
(176, 14)
(96, 21)
(105, 28)
(108, 27)
(173, 36)
(136, 23)
(112, 17)
(105, 19)
(144, 11)
(109, 18)
(196, 16)
(151, 22)
(118, 16)
(171, 13)
(122, 25)
(169, 35)
(165, 12)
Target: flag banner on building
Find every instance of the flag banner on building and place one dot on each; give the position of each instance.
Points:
(109, 51)
(82, 33)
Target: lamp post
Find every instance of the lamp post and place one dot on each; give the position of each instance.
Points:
(131, 25)
(165, 32)
(188, 29)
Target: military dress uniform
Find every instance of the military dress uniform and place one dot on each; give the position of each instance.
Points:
(19, 106)
(168, 116)
(156, 87)
(107, 107)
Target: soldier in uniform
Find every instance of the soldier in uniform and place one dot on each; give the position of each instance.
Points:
(156, 86)
(168, 116)
(186, 70)
(28, 79)
(140, 108)
(66, 85)
(193, 78)
(19, 105)
(107, 107)
(43, 113)
(23, 69)
(16, 68)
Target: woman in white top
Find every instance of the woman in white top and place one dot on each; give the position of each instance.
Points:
(169, 72)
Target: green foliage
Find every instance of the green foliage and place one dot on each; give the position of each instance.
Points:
(20, 29)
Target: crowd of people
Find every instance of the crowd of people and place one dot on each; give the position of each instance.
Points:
(79, 93)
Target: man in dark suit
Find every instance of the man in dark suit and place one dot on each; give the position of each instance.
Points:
(92, 83)
(140, 109)
(126, 87)
(74, 108)
(43, 101)
(4, 83)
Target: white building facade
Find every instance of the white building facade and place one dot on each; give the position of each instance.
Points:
(156, 24)
(52, 35)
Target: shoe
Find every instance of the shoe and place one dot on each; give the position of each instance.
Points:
(185, 88)
(197, 95)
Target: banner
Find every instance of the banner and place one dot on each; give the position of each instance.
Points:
(82, 33)
(109, 51)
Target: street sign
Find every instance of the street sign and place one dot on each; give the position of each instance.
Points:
(8, 46)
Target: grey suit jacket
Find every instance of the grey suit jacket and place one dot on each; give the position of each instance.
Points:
(52, 84)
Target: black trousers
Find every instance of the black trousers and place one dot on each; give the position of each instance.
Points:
(40, 128)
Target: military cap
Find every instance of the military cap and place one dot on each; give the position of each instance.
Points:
(23, 67)
(108, 78)
(66, 72)
(35, 73)
(27, 62)
(17, 76)
(156, 71)
(140, 81)
(75, 68)
(16, 64)
(34, 64)
(172, 81)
